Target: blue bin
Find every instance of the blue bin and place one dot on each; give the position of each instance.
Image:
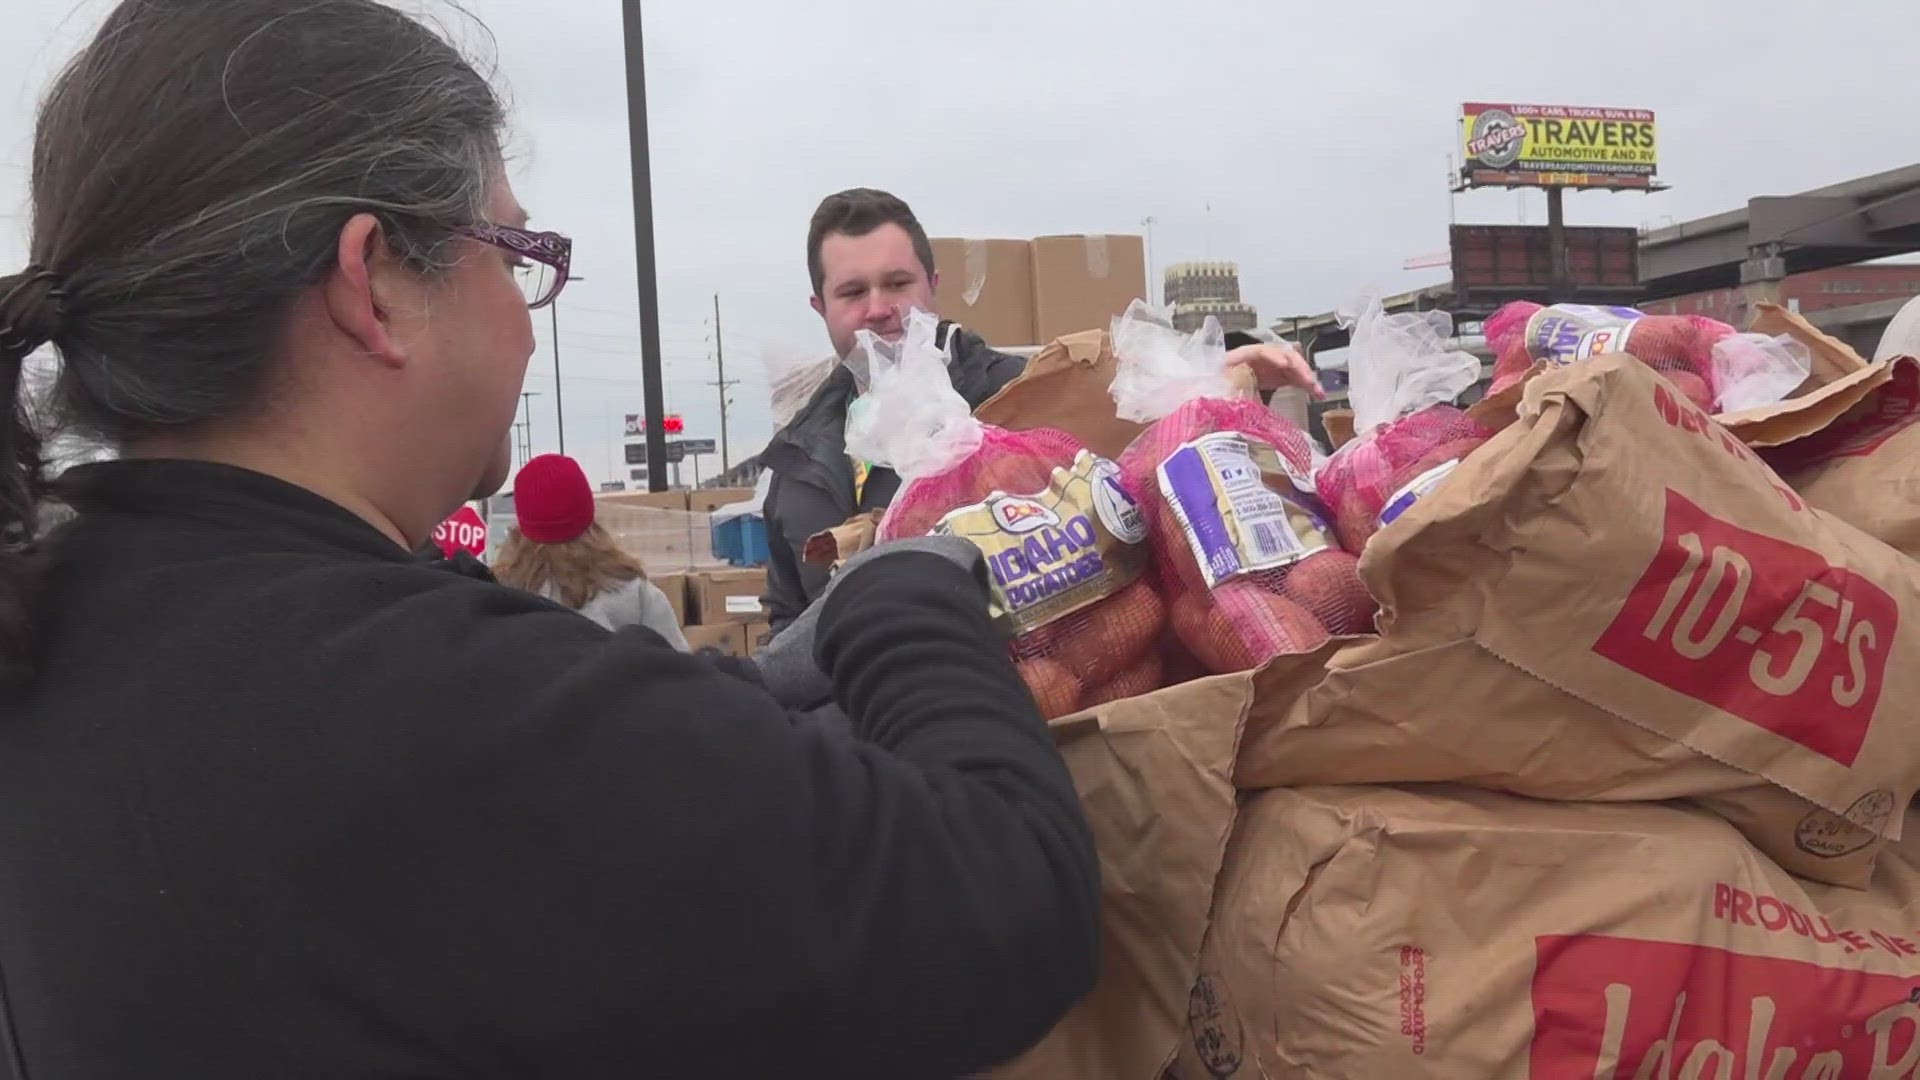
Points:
(741, 540)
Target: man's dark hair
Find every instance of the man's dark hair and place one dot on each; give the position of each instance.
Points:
(857, 212)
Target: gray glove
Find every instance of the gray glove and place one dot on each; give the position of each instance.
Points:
(787, 664)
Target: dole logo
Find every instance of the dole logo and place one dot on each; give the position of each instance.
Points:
(1021, 516)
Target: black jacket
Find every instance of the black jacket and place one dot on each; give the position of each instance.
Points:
(287, 802)
(812, 486)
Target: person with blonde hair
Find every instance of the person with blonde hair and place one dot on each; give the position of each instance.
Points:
(558, 550)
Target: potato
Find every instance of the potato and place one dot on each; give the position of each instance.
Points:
(1012, 474)
(1054, 688)
(1329, 586)
(1097, 643)
(1695, 389)
(1241, 626)
(1146, 674)
(1178, 662)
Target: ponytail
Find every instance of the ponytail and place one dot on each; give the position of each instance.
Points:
(30, 313)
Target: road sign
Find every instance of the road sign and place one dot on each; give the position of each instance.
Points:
(464, 531)
(637, 453)
(639, 474)
(699, 446)
(672, 424)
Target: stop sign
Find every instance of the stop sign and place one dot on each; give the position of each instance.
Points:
(464, 531)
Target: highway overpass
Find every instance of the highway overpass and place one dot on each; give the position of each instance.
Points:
(1752, 249)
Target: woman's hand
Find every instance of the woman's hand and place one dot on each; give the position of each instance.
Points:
(1276, 367)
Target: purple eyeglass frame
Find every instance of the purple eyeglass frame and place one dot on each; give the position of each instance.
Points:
(546, 248)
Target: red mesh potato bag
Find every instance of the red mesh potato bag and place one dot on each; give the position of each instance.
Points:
(1407, 436)
(1679, 347)
(1060, 530)
(1005, 461)
(1232, 520)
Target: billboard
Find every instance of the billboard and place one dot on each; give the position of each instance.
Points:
(1498, 261)
(1556, 146)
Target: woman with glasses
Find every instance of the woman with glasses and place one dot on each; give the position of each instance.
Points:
(283, 801)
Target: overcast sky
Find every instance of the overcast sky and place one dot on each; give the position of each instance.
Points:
(1318, 134)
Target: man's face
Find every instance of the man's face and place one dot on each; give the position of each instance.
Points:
(868, 282)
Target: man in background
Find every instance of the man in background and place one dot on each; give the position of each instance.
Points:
(870, 262)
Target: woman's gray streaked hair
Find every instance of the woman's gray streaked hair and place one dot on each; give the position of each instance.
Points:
(192, 169)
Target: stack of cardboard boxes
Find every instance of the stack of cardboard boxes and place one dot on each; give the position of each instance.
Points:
(1026, 292)
(719, 606)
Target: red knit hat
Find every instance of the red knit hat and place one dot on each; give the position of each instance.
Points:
(552, 499)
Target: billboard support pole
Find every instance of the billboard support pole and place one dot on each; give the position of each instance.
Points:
(1557, 236)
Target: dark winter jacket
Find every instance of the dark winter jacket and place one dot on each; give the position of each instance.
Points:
(287, 802)
(813, 487)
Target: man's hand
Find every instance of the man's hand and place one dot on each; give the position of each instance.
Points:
(1275, 367)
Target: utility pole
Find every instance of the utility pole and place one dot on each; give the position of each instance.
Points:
(644, 263)
(723, 383)
(523, 431)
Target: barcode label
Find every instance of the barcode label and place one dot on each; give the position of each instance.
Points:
(1222, 490)
(1274, 540)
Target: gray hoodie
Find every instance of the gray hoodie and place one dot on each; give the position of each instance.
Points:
(637, 603)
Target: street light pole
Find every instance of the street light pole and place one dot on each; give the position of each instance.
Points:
(559, 417)
(643, 256)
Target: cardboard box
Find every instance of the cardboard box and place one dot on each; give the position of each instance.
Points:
(987, 286)
(707, 500)
(1339, 425)
(1068, 386)
(727, 596)
(665, 541)
(1082, 282)
(650, 500)
(757, 635)
(675, 588)
(729, 639)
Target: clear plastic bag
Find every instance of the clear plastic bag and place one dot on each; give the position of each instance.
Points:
(908, 417)
(1407, 434)
(1401, 364)
(1751, 371)
(1240, 544)
(793, 376)
(1061, 532)
(1161, 368)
